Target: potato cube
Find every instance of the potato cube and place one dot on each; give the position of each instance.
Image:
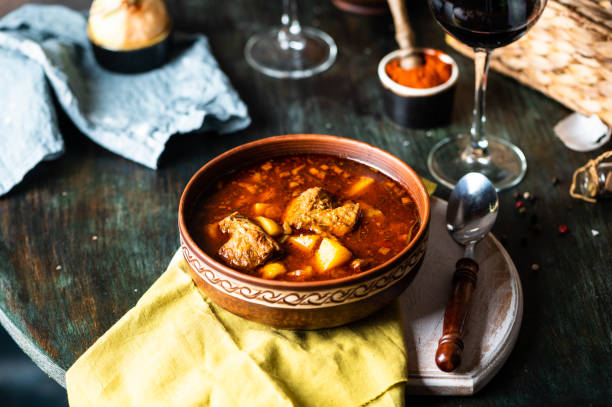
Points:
(305, 243)
(360, 186)
(269, 226)
(272, 270)
(331, 254)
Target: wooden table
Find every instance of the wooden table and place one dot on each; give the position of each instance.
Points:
(85, 235)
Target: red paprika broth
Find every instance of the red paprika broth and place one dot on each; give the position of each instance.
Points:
(387, 222)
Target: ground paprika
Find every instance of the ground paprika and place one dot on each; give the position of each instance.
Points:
(433, 73)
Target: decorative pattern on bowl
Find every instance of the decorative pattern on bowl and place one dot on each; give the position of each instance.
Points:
(280, 298)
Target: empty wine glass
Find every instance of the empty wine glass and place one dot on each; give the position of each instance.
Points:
(291, 51)
(484, 25)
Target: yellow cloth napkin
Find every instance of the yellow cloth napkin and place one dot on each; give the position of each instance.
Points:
(429, 186)
(175, 348)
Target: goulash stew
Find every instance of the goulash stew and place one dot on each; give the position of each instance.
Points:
(305, 218)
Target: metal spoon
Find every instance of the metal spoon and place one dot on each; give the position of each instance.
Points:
(404, 35)
(470, 215)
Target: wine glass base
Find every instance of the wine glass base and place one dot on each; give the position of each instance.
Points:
(314, 53)
(505, 165)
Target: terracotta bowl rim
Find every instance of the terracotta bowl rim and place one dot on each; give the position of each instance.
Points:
(301, 286)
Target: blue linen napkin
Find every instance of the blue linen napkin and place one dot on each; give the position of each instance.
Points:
(28, 126)
(131, 115)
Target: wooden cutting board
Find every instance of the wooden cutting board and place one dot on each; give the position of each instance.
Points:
(496, 313)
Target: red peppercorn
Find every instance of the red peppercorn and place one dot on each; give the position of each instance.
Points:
(562, 229)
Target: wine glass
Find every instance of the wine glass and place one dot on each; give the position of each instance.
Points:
(483, 25)
(291, 51)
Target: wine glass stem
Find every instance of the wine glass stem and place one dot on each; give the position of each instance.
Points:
(478, 143)
(290, 34)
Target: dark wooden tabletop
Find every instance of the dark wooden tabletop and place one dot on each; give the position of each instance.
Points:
(85, 235)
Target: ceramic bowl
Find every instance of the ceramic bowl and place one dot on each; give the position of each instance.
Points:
(418, 108)
(302, 305)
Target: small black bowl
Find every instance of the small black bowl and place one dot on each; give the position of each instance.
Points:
(413, 107)
(134, 60)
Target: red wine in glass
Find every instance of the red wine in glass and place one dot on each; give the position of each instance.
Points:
(483, 25)
(486, 23)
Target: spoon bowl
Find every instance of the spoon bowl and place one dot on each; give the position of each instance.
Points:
(472, 209)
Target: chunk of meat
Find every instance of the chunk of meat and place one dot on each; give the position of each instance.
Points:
(313, 210)
(310, 200)
(248, 246)
(338, 221)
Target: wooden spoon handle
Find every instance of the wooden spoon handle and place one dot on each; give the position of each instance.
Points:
(404, 35)
(450, 345)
